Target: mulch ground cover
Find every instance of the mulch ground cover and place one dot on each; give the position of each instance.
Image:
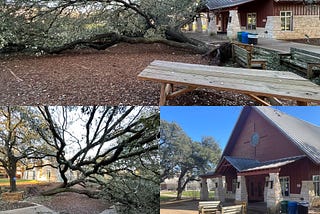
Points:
(109, 77)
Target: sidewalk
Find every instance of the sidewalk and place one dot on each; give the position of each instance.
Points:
(272, 44)
(40, 209)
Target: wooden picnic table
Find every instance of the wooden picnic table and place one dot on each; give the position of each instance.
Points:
(253, 82)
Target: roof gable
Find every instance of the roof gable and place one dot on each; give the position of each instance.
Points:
(304, 135)
(219, 4)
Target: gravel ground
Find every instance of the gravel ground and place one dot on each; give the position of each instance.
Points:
(99, 77)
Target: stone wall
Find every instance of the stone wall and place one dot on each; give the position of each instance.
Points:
(274, 193)
(204, 189)
(302, 25)
(233, 24)
(241, 192)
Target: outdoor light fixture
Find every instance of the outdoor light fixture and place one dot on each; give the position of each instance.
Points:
(238, 183)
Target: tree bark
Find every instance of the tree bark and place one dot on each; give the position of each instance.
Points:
(12, 176)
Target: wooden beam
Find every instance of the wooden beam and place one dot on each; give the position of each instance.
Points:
(180, 92)
(259, 100)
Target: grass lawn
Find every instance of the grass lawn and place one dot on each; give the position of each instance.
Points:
(6, 182)
(185, 194)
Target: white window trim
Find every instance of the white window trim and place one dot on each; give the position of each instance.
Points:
(282, 191)
(286, 18)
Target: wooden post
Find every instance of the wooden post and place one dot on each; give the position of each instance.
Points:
(163, 94)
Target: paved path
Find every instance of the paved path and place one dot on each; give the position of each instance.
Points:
(179, 207)
(39, 209)
(273, 44)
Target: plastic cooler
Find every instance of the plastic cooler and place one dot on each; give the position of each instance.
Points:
(239, 36)
(244, 37)
(292, 207)
(253, 38)
(303, 207)
(284, 207)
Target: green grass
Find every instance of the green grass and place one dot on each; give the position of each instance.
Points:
(6, 182)
(185, 194)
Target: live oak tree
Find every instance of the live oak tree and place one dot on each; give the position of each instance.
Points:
(53, 26)
(19, 140)
(183, 158)
(115, 148)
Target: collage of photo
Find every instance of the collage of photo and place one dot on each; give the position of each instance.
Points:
(160, 107)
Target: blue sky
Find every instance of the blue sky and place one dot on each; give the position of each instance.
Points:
(218, 121)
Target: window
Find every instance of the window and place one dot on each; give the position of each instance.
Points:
(251, 21)
(285, 186)
(316, 183)
(286, 20)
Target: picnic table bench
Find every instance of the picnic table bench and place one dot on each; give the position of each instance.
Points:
(267, 83)
(236, 209)
(243, 55)
(301, 60)
(208, 206)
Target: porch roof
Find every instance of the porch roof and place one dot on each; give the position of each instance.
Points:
(220, 4)
(243, 165)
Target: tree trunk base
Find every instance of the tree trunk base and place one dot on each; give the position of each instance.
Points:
(12, 196)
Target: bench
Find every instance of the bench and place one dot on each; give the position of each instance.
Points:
(208, 206)
(267, 83)
(232, 209)
(301, 60)
(243, 56)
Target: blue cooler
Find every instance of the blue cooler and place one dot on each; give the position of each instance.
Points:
(292, 207)
(244, 37)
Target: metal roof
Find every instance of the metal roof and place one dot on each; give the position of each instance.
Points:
(244, 165)
(219, 4)
(305, 135)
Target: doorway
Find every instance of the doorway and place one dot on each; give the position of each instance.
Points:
(255, 188)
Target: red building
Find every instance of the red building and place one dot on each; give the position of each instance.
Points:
(280, 19)
(270, 157)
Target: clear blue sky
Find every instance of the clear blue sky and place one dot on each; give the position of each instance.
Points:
(218, 121)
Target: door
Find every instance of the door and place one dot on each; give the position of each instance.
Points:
(255, 188)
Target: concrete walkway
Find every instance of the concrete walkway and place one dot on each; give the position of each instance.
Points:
(39, 209)
(284, 46)
(273, 44)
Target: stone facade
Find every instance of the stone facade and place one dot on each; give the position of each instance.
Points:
(198, 24)
(233, 24)
(212, 28)
(274, 196)
(307, 191)
(273, 27)
(241, 192)
(204, 193)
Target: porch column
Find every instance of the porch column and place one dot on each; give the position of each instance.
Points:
(204, 193)
(233, 24)
(212, 28)
(307, 191)
(199, 24)
(241, 190)
(221, 189)
(274, 193)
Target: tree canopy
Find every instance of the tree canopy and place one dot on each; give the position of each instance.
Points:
(183, 158)
(53, 26)
(20, 143)
(113, 148)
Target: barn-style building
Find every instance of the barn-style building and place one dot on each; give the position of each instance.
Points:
(279, 19)
(270, 157)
